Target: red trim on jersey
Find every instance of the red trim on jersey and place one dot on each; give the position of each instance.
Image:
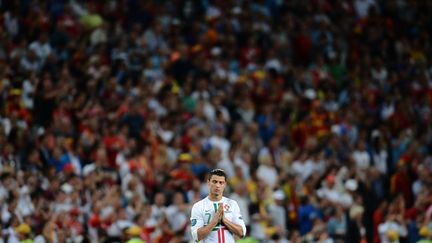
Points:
(219, 236)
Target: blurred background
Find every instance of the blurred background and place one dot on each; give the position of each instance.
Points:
(112, 113)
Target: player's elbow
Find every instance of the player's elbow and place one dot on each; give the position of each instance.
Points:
(238, 231)
(243, 231)
(195, 236)
(198, 234)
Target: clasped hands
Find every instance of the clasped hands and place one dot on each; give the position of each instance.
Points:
(219, 216)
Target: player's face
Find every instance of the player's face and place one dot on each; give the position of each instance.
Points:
(216, 185)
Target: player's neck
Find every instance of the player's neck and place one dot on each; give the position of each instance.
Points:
(215, 198)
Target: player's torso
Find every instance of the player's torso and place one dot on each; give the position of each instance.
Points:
(220, 233)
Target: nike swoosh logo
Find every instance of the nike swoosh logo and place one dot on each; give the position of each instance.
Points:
(207, 210)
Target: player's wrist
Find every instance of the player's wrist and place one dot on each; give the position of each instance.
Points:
(214, 223)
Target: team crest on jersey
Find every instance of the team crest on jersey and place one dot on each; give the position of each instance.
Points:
(193, 222)
(226, 207)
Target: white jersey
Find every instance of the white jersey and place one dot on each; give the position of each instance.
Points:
(202, 213)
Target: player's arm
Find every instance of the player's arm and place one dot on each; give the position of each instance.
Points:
(199, 230)
(236, 229)
(204, 231)
(237, 226)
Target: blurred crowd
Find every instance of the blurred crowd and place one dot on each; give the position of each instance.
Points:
(112, 113)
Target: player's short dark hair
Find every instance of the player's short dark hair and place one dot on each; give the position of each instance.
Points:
(217, 172)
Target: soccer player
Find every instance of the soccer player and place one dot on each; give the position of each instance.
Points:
(216, 219)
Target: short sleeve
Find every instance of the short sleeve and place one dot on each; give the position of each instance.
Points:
(197, 220)
(238, 218)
